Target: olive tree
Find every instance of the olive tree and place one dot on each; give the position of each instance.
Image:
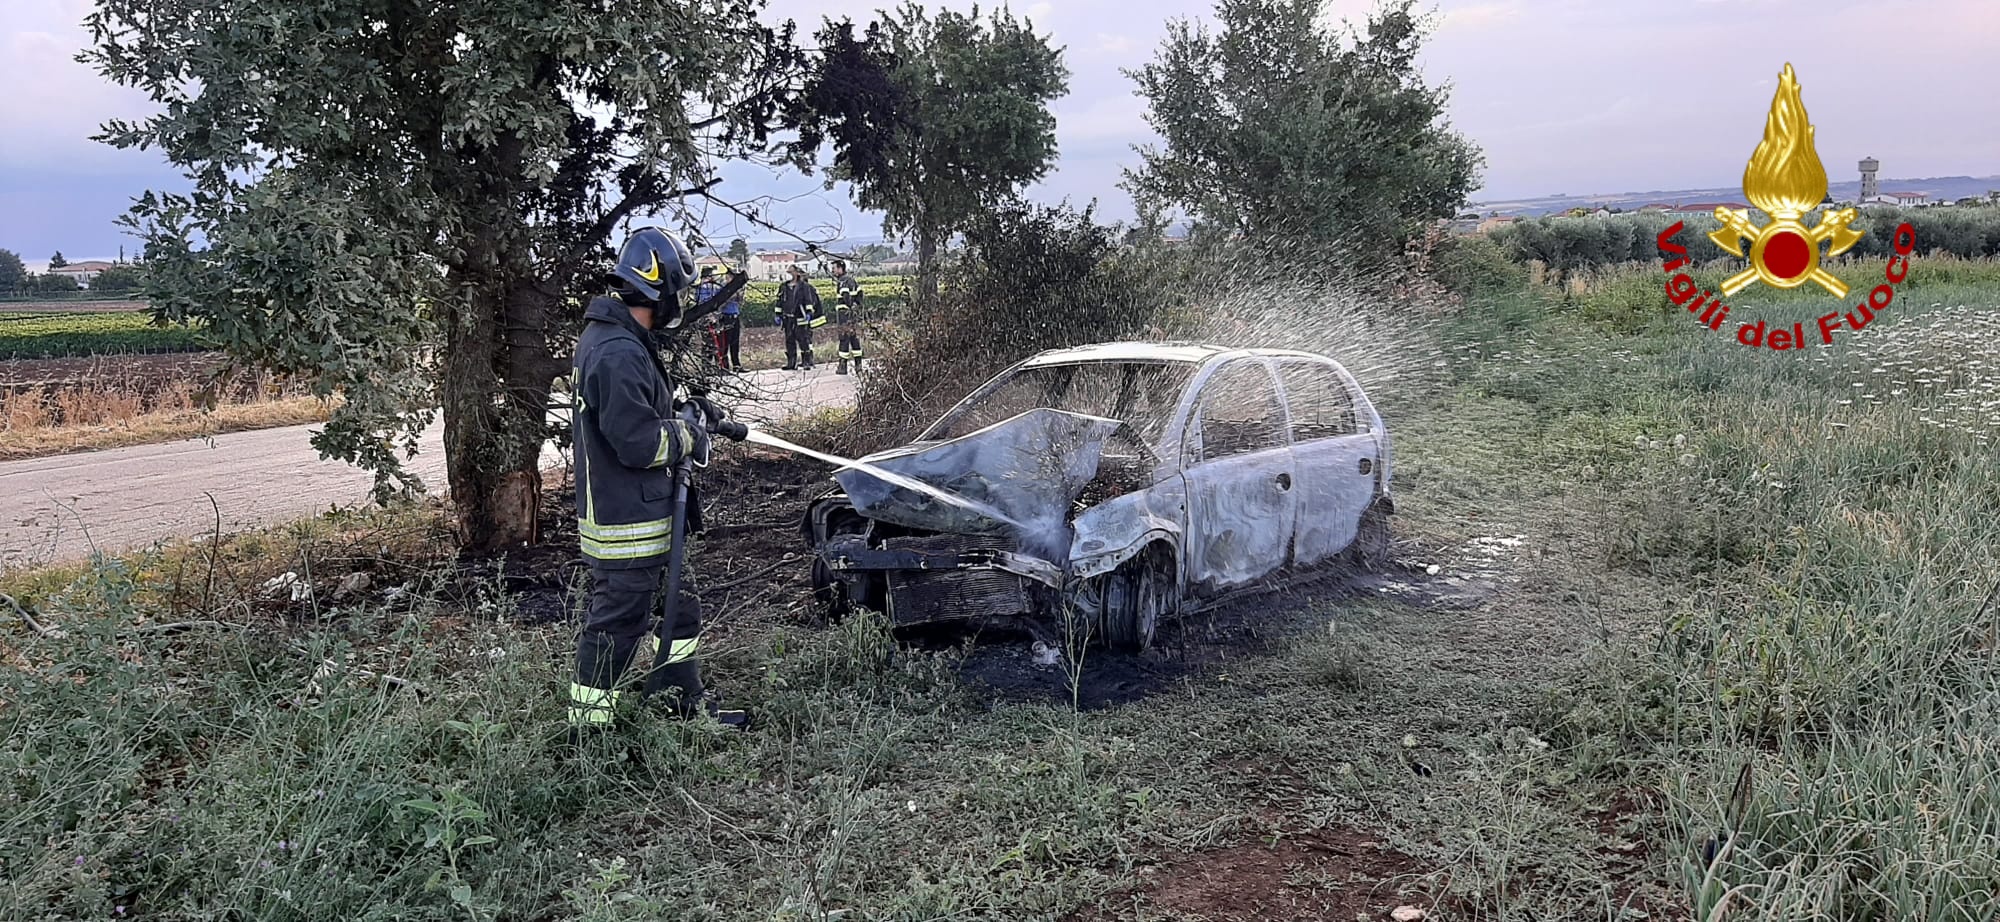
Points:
(1285, 130)
(945, 116)
(395, 199)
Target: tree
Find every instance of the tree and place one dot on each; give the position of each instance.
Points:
(396, 200)
(739, 253)
(49, 283)
(871, 253)
(1282, 129)
(121, 277)
(13, 273)
(57, 261)
(942, 118)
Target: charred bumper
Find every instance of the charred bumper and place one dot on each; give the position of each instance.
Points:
(938, 578)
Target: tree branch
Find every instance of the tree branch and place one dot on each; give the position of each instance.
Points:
(620, 212)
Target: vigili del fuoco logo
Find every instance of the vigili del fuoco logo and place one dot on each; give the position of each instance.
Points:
(1785, 179)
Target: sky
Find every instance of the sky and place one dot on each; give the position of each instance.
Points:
(1564, 96)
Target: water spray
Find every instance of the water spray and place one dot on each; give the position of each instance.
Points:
(954, 500)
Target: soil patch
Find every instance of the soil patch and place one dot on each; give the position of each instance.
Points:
(175, 366)
(1338, 874)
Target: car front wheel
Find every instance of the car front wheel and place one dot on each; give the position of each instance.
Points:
(1137, 597)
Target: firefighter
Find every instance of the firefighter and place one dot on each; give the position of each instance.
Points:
(717, 337)
(847, 316)
(799, 310)
(629, 435)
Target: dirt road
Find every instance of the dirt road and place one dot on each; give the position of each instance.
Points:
(61, 508)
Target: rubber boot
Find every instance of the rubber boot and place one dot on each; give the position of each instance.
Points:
(842, 369)
(678, 687)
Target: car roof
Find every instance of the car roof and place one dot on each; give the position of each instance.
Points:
(1153, 352)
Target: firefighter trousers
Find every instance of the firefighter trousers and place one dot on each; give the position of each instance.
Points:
(798, 345)
(623, 605)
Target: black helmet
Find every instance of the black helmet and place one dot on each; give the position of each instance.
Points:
(654, 265)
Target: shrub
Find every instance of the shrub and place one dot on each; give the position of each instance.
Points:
(1031, 278)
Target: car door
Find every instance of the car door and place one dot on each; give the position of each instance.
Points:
(1239, 479)
(1333, 457)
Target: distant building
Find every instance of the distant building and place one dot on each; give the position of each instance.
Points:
(702, 262)
(774, 265)
(83, 272)
(1906, 199)
(1869, 166)
(1656, 207)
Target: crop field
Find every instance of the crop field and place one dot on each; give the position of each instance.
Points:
(1677, 630)
(39, 334)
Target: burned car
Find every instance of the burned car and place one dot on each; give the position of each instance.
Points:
(1111, 487)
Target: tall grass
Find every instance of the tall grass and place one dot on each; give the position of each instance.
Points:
(1836, 517)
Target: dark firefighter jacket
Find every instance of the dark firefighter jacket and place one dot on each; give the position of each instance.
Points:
(627, 441)
(799, 304)
(847, 301)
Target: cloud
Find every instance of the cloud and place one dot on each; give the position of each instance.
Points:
(1480, 16)
(1113, 43)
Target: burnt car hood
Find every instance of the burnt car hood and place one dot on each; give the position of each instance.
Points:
(1013, 478)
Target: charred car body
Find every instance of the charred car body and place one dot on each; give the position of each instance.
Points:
(1116, 485)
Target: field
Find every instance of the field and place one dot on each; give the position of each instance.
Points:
(36, 334)
(1678, 629)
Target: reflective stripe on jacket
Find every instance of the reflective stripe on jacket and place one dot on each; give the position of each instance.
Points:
(798, 303)
(627, 440)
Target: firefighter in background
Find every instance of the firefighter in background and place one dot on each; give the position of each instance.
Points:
(712, 324)
(629, 435)
(847, 315)
(731, 320)
(799, 310)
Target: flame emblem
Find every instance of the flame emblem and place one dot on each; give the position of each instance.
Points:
(1785, 179)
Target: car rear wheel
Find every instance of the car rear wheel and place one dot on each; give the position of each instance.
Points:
(1370, 551)
(1137, 597)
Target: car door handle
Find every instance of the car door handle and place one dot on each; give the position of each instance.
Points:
(1284, 482)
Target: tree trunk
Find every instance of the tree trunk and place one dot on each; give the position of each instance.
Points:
(927, 269)
(495, 390)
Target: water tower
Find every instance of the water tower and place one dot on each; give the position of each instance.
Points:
(1868, 168)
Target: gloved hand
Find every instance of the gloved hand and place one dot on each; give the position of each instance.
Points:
(716, 420)
(698, 440)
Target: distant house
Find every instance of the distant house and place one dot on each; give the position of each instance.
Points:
(1907, 199)
(774, 265)
(1496, 222)
(1657, 206)
(83, 272)
(702, 262)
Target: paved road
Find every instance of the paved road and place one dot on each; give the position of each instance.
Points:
(60, 508)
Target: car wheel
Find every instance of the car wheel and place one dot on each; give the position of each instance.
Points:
(829, 592)
(1370, 551)
(1137, 597)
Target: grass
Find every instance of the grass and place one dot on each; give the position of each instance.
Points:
(1723, 565)
(112, 404)
(31, 335)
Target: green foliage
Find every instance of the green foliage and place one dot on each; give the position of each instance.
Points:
(41, 335)
(1280, 128)
(1031, 278)
(119, 279)
(739, 252)
(392, 200)
(13, 273)
(882, 295)
(52, 283)
(953, 116)
(1568, 244)
(1475, 265)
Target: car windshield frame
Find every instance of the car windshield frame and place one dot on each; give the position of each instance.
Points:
(966, 418)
